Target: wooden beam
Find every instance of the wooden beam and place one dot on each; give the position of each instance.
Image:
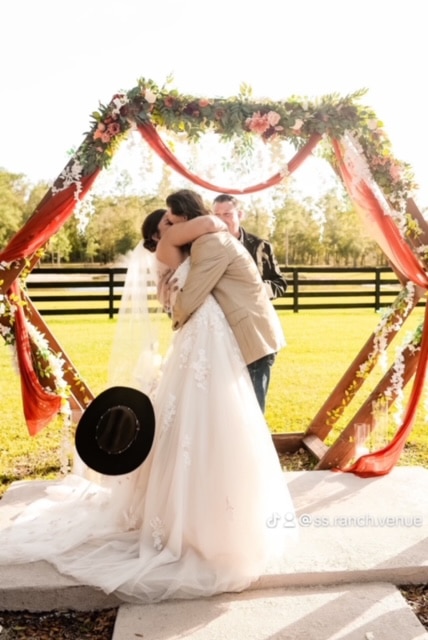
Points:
(350, 383)
(343, 450)
(288, 442)
(316, 446)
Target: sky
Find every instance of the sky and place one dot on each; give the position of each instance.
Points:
(60, 59)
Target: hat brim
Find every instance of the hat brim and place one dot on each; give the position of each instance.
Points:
(127, 458)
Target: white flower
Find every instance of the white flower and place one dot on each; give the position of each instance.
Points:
(372, 124)
(150, 96)
(71, 175)
(118, 102)
(297, 125)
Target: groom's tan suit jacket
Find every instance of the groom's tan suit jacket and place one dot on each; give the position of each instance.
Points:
(221, 265)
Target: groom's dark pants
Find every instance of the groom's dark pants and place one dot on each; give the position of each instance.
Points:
(260, 377)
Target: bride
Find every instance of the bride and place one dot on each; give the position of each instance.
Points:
(203, 513)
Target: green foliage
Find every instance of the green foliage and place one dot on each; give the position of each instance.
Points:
(36, 195)
(13, 198)
(294, 120)
(298, 233)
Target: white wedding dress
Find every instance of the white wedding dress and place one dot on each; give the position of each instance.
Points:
(203, 514)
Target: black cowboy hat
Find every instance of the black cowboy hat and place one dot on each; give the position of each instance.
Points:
(116, 431)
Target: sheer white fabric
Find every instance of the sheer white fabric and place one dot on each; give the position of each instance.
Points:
(199, 516)
(135, 357)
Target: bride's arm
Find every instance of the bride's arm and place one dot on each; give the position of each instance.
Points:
(183, 233)
(169, 249)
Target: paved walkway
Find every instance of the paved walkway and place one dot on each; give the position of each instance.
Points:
(358, 539)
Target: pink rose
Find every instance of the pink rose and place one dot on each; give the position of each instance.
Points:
(258, 123)
(203, 102)
(395, 173)
(273, 118)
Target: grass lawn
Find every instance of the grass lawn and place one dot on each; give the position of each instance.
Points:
(321, 345)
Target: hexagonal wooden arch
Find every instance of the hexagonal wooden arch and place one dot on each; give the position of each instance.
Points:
(359, 150)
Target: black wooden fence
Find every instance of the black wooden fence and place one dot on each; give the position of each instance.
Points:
(98, 290)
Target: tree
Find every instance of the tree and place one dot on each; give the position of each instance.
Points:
(116, 224)
(345, 240)
(296, 233)
(59, 246)
(13, 196)
(36, 194)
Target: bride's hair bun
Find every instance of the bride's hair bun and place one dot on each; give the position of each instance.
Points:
(150, 229)
(150, 244)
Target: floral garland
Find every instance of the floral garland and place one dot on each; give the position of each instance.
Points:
(294, 120)
(412, 343)
(392, 320)
(47, 363)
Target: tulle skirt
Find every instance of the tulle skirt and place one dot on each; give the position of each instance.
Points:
(202, 515)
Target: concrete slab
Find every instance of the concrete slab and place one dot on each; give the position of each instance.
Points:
(355, 529)
(352, 530)
(346, 612)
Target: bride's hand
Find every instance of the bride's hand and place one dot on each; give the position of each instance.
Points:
(219, 224)
(166, 285)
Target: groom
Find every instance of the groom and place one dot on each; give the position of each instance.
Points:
(221, 265)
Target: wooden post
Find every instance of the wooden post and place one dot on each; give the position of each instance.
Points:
(343, 449)
(350, 383)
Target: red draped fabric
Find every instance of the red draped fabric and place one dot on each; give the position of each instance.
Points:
(45, 222)
(40, 406)
(382, 227)
(152, 137)
(387, 234)
(383, 461)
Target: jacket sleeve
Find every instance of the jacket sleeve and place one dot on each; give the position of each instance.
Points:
(271, 273)
(209, 261)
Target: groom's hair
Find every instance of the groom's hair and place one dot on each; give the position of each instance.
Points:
(186, 203)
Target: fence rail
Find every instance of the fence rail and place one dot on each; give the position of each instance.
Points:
(98, 290)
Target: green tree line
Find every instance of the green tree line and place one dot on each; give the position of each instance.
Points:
(304, 231)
